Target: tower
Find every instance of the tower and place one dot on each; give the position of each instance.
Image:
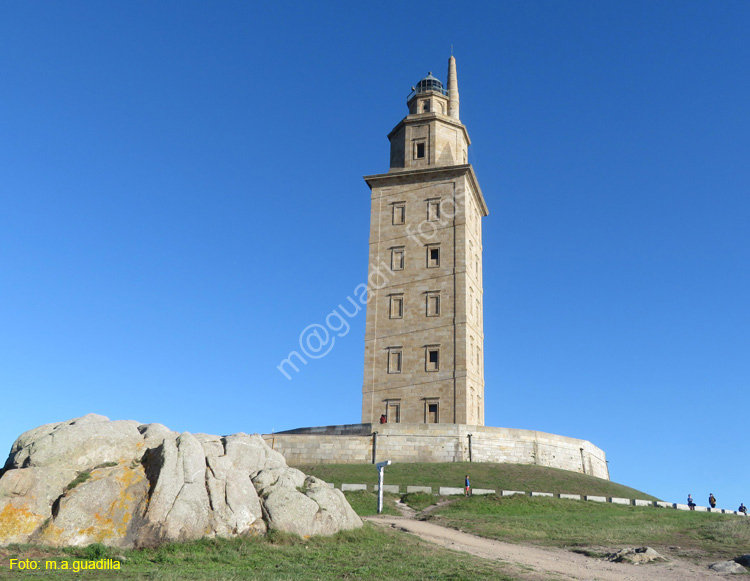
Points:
(424, 338)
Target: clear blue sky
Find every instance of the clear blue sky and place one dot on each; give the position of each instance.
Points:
(181, 195)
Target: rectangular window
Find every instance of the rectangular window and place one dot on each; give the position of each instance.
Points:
(433, 256)
(433, 210)
(399, 213)
(432, 358)
(431, 412)
(393, 412)
(419, 149)
(394, 360)
(397, 258)
(433, 304)
(396, 307)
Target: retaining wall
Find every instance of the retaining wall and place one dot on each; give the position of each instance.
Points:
(454, 491)
(370, 443)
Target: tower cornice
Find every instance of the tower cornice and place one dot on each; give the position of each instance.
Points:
(431, 173)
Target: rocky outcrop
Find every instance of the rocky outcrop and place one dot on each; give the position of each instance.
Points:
(636, 556)
(126, 484)
(729, 567)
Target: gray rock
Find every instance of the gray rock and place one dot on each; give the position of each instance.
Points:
(142, 484)
(727, 567)
(78, 444)
(236, 506)
(304, 505)
(26, 499)
(179, 507)
(636, 556)
(251, 453)
(335, 512)
(102, 509)
(291, 511)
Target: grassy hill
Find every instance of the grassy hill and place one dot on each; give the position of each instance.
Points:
(482, 475)
(598, 527)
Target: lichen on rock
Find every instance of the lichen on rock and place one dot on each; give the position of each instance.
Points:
(145, 484)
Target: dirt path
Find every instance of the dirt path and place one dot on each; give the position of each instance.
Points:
(537, 563)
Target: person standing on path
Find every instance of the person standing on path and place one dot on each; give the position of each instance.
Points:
(467, 490)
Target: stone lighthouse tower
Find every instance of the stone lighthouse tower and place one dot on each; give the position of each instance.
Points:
(424, 339)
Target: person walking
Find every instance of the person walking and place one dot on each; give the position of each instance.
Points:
(467, 484)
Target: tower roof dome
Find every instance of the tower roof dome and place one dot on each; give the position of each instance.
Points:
(430, 83)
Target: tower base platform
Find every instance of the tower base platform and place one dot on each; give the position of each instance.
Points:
(370, 443)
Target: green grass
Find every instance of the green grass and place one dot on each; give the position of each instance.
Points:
(365, 503)
(420, 500)
(80, 479)
(368, 553)
(483, 475)
(575, 523)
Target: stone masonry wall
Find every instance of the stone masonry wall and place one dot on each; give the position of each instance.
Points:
(443, 443)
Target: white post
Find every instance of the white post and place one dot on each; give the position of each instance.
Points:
(381, 470)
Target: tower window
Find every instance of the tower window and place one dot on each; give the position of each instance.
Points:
(433, 256)
(397, 258)
(394, 360)
(393, 411)
(396, 307)
(419, 150)
(425, 106)
(433, 304)
(399, 213)
(433, 210)
(431, 412)
(432, 358)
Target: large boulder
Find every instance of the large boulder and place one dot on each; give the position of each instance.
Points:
(125, 484)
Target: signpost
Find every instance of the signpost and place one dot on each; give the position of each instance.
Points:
(381, 470)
